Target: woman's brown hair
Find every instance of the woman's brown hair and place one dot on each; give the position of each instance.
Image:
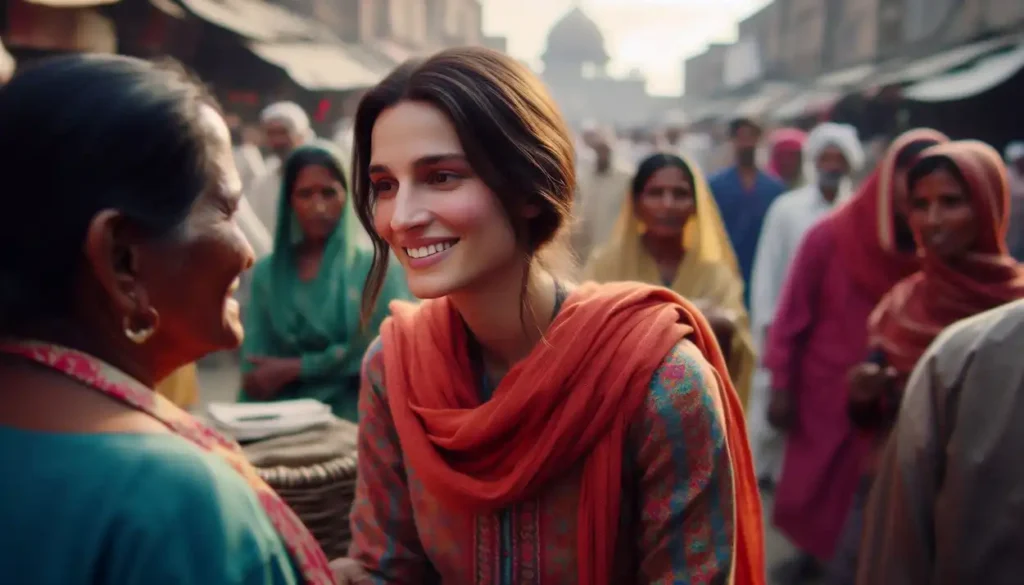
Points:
(513, 135)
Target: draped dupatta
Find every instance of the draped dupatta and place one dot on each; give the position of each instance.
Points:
(918, 308)
(866, 225)
(571, 400)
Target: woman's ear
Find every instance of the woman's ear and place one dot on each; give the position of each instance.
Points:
(531, 211)
(111, 254)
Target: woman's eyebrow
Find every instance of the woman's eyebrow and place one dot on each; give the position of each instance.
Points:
(430, 159)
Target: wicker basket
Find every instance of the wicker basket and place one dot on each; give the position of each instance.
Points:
(315, 473)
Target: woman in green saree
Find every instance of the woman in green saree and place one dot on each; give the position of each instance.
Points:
(302, 329)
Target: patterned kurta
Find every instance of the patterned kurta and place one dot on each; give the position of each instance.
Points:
(677, 521)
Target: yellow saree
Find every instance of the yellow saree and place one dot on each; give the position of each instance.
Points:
(708, 272)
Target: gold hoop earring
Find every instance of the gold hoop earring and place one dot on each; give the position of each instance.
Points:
(140, 335)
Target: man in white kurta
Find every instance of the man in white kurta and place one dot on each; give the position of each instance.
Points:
(835, 152)
(286, 127)
(602, 185)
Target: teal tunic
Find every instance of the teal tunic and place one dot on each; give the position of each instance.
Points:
(130, 509)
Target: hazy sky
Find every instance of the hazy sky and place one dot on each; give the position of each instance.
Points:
(651, 35)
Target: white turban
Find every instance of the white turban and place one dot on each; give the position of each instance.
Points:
(1014, 151)
(291, 115)
(842, 136)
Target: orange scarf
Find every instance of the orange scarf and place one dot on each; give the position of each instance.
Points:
(108, 380)
(573, 398)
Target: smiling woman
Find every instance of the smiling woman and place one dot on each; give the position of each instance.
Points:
(129, 279)
(516, 428)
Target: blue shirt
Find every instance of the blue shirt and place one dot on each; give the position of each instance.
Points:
(130, 509)
(743, 214)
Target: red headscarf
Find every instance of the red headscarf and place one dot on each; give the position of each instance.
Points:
(918, 308)
(566, 402)
(866, 231)
(784, 140)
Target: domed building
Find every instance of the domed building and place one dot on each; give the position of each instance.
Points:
(575, 62)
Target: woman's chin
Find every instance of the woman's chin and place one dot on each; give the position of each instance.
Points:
(434, 284)
(426, 292)
(234, 331)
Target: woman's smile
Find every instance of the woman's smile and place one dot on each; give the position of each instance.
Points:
(426, 255)
(429, 249)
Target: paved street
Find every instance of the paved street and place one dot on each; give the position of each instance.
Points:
(219, 381)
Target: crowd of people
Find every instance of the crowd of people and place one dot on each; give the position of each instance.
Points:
(567, 364)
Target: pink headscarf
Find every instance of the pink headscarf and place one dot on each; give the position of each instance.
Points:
(784, 140)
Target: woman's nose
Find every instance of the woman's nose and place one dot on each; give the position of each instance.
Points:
(408, 212)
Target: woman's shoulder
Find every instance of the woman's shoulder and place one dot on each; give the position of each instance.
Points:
(684, 386)
(905, 290)
(823, 230)
(226, 520)
(373, 365)
(168, 476)
(152, 505)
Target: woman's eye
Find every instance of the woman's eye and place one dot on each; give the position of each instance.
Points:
(441, 177)
(229, 207)
(382, 187)
(952, 200)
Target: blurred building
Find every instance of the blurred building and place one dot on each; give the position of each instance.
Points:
(764, 29)
(400, 28)
(575, 70)
(703, 74)
(832, 47)
(320, 53)
(924, 25)
(852, 31)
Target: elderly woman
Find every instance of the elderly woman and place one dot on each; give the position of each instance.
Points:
(105, 481)
(836, 153)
